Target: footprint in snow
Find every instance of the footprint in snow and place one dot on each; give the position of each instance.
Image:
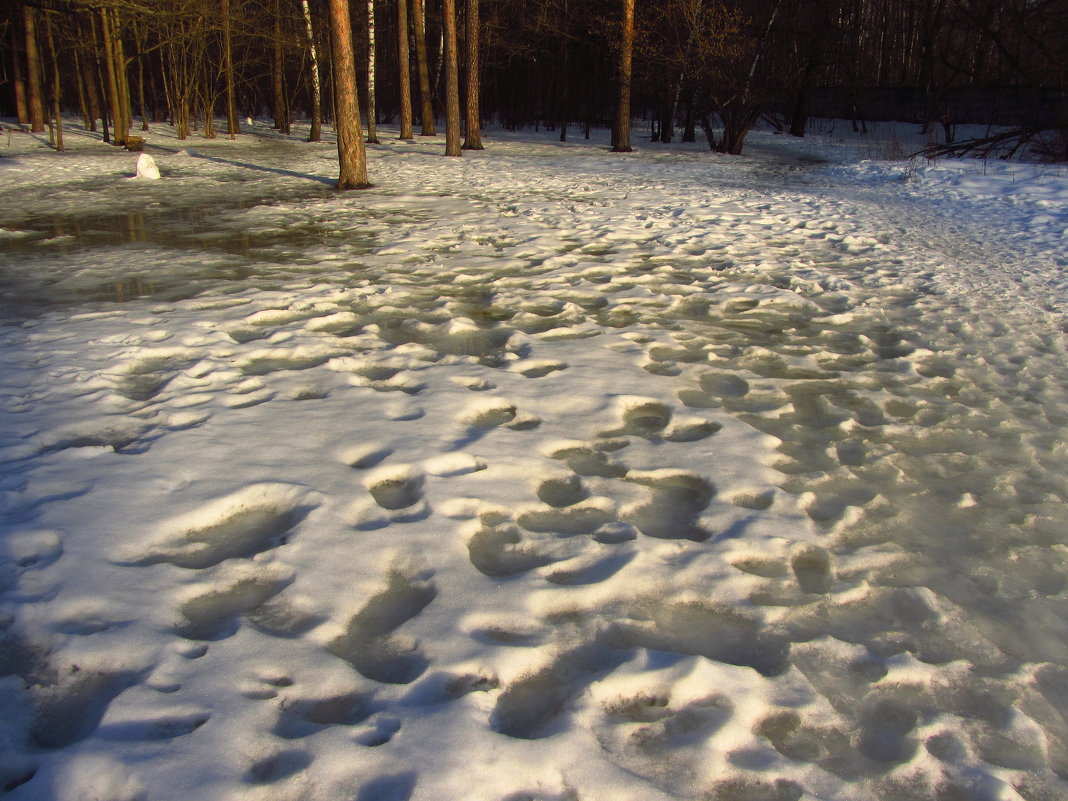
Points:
(214, 614)
(237, 526)
(301, 717)
(369, 642)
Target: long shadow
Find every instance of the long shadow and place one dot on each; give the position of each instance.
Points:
(261, 168)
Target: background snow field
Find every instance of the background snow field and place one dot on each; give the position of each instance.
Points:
(544, 473)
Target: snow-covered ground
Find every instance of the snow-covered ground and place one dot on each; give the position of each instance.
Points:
(544, 473)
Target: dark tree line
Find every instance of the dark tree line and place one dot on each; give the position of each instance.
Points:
(680, 65)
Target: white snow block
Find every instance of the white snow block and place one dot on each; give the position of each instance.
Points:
(146, 167)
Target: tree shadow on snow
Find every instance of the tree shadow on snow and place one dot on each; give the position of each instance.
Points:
(260, 168)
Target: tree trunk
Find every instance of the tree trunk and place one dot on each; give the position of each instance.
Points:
(423, 68)
(115, 106)
(91, 76)
(232, 128)
(122, 76)
(88, 123)
(404, 69)
(139, 39)
(452, 80)
(372, 106)
(33, 70)
(209, 115)
(22, 110)
(281, 107)
(689, 132)
(352, 157)
(621, 130)
(315, 134)
(99, 79)
(799, 118)
(473, 140)
(58, 143)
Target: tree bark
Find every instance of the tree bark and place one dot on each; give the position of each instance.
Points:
(621, 130)
(58, 143)
(372, 106)
(88, 123)
(315, 135)
(22, 110)
(139, 40)
(423, 68)
(122, 75)
(115, 105)
(232, 129)
(99, 78)
(281, 107)
(90, 74)
(404, 70)
(473, 139)
(452, 80)
(352, 157)
(33, 71)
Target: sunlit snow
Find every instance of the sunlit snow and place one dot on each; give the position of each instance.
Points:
(544, 473)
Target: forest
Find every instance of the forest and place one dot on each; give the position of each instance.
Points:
(680, 66)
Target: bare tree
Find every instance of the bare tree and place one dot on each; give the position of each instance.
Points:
(423, 68)
(352, 156)
(278, 80)
(404, 78)
(372, 107)
(621, 129)
(33, 70)
(57, 116)
(315, 135)
(452, 80)
(22, 110)
(228, 69)
(473, 137)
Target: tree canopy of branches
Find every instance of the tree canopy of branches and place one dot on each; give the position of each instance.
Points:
(714, 65)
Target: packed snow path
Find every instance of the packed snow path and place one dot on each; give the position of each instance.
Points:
(545, 473)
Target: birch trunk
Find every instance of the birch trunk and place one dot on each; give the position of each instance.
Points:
(317, 98)
(372, 106)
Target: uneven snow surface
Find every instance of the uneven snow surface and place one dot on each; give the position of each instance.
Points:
(544, 473)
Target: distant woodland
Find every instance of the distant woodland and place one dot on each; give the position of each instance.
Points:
(678, 66)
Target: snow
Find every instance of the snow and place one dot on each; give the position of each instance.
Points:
(146, 168)
(542, 473)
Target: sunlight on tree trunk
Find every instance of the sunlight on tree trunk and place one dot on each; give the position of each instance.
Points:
(621, 130)
(452, 80)
(404, 77)
(352, 156)
(120, 127)
(473, 138)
